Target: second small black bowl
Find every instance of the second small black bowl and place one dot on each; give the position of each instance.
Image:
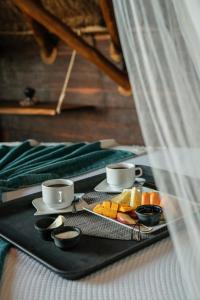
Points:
(149, 215)
(41, 226)
(66, 237)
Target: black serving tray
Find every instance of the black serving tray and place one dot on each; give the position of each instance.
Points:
(91, 254)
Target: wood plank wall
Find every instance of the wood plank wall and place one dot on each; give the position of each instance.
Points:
(113, 116)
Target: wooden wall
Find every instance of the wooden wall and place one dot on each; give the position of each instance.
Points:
(113, 116)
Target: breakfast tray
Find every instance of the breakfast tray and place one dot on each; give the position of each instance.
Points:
(92, 253)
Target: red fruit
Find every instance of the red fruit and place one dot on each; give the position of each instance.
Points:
(133, 215)
(125, 219)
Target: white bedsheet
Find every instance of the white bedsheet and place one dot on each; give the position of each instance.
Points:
(152, 273)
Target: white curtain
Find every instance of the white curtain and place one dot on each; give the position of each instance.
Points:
(161, 45)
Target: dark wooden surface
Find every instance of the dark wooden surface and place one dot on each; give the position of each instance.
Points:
(83, 124)
(45, 108)
(20, 66)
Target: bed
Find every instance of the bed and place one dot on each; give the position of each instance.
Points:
(152, 273)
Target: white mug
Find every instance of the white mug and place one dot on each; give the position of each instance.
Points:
(58, 193)
(122, 174)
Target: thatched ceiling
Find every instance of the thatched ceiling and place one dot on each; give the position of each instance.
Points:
(74, 13)
(51, 20)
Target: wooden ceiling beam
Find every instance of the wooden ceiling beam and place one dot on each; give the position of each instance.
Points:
(46, 42)
(109, 18)
(66, 34)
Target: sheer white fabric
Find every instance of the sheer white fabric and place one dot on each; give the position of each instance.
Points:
(161, 45)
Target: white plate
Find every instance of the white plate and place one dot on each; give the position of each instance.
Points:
(43, 209)
(143, 229)
(162, 224)
(104, 187)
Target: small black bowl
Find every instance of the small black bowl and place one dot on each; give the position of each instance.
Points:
(42, 224)
(66, 242)
(149, 215)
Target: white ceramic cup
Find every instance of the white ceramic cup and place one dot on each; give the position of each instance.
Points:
(122, 174)
(58, 193)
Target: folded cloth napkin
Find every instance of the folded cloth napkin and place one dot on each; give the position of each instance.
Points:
(26, 164)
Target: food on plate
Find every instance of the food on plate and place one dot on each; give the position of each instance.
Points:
(136, 197)
(145, 198)
(106, 204)
(154, 198)
(114, 206)
(133, 214)
(125, 208)
(107, 209)
(122, 207)
(98, 209)
(123, 198)
(125, 219)
(114, 209)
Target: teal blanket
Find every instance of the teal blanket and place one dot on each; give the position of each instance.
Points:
(4, 246)
(25, 165)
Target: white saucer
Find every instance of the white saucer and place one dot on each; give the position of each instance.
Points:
(104, 187)
(43, 209)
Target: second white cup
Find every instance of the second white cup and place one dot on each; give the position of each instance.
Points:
(122, 174)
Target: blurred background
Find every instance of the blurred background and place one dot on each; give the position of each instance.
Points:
(34, 64)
